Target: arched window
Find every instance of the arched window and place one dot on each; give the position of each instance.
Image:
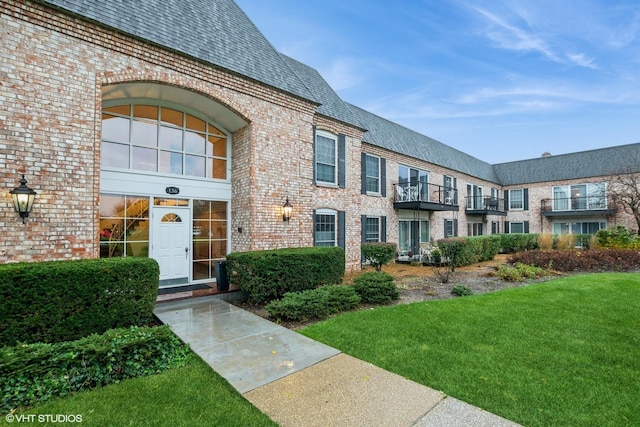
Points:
(163, 140)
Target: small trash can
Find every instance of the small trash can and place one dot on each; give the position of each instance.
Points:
(222, 280)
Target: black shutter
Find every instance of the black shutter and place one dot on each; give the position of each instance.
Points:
(455, 228)
(506, 227)
(341, 229)
(363, 173)
(363, 228)
(525, 197)
(341, 161)
(314, 166)
(526, 226)
(383, 228)
(506, 202)
(445, 229)
(383, 177)
(314, 227)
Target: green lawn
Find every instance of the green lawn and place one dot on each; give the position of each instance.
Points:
(565, 352)
(193, 395)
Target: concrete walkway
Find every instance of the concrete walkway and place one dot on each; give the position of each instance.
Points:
(300, 382)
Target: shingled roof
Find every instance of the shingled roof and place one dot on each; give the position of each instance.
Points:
(394, 137)
(215, 31)
(583, 164)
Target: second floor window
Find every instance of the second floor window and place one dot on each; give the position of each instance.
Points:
(326, 158)
(372, 166)
(579, 197)
(516, 199)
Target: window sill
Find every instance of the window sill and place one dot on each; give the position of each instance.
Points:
(326, 184)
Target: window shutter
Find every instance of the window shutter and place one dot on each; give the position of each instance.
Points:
(383, 228)
(314, 168)
(506, 227)
(341, 229)
(363, 173)
(314, 226)
(525, 196)
(363, 228)
(526, 226)
(383, 177)
(455, 228)
(455, 193)
(506, 203)
(341, 161)
(445, 229)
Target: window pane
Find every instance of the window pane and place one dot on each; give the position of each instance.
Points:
(517, 227)
(144, 133)
(372, 230)
(194, 166)
(170, 116)
(145, 159)
(219, 169)
(170, 138)
(114, 155)
(170, 162)
(213, 129)
(326, 173)
(516, 199)
(325, 159)
(424, 231)
(194, 142)
(195, 124)
(123, 110)
(217, 146)
(146, 112)
(115, 129)
(325, 230)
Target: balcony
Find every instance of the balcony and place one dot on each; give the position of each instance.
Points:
(577, 206)
(424, 196)
(487, 205)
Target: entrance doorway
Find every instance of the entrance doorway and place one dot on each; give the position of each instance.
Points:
(170, 231)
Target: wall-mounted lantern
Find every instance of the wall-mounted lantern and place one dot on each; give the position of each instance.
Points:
(23, 198)
(287, 208)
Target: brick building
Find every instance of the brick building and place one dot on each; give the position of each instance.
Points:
(174, 130)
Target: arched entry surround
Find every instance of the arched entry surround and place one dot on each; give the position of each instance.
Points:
(203, 203)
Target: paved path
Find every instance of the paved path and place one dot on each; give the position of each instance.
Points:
(300, 382)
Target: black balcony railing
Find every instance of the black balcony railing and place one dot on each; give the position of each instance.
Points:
(424, 192)
(583, 205)
(484, 204)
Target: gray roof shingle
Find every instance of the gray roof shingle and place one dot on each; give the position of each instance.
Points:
(394, 137)
(214, 31)
(583, 164)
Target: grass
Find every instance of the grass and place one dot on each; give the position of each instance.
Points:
(565, 352)
(193, 395)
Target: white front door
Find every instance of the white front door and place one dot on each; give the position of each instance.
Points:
(171, 244)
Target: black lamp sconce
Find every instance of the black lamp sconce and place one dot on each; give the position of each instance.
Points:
(287, 208)
(23, 198)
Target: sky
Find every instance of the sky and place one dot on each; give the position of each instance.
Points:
(501, 80)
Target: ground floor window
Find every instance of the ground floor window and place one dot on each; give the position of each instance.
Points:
(209, 237)
(475, 229)
(450, 228)
(325, 228)
(372, 229)
(578, 227)
(516, 227)
(124, 226)
(410, 234)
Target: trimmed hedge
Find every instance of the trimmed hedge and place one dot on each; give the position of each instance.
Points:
(268, 275)
(576, 260)
(469, 250)
(378, 254)
(376, 287)
(511, 243)
(65, 300)
(317, 303)
(34, 373)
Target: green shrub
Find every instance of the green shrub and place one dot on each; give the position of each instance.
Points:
(511, 243)
(34, 373)
(66, 300)
(378, 254)
(618, 237)
(460, 251)
(268, 275)
(461, 291)
(376, 287)
(520, 272)
(317, 303)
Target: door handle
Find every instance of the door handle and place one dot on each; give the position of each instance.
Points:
(186, 252)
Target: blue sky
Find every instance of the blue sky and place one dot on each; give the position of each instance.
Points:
(501, 80)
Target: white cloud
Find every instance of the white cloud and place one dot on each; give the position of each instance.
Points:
(582, 60)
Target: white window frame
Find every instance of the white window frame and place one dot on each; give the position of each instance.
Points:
(368, 175)
(328, 213)
(334, 138)
(511, 206)
(369, 238)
